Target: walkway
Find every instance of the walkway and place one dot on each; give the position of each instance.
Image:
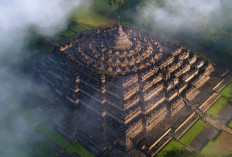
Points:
(218, 124)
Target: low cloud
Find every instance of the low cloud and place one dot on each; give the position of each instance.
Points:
(17, 17)
(47, 17)
(179, 15)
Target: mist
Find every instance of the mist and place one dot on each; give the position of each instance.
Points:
(47, 18)
(201, 25)
(179, 15)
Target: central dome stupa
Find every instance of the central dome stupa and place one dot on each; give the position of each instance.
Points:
(116, 50)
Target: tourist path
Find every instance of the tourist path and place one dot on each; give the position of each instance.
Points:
(214, 122)
(218, 124)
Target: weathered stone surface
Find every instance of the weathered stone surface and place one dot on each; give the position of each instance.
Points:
(129, 84)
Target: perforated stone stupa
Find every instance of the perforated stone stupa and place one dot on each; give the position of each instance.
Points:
(127, 87)
(113, 52)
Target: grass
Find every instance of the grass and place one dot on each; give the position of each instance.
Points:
(221, 146)
(185, 140)
(80, 150)
(81, 27)
(51, 134)
(102, 6)
(217, 106)
(172, 145)
(208, 149)
(230, 124)
(57, 37)
(68, 33)
(192, 132)
(64, 144)
(77, 28)
(87, 20)
(91, 18)
(227, 91)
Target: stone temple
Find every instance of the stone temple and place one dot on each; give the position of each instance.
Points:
(126, 88)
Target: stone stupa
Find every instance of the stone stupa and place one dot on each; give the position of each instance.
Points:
(128, 85)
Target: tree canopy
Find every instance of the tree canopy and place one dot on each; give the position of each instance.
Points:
(117, 4)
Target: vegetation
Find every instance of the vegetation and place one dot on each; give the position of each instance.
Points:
(80, 150)
(171, 146)
(51, 134)
(192, 132)
(90, 18)
(68, 34)
(64, 144)
(83, 20)
(217, 106)
(80, 27)
(227, 91)
(220, 147)
(57, 37)
(230, 124)
(102, 7)
(117, 4)
(35, 41)
(208, 148)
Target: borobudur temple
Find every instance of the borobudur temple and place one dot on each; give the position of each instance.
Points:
(125, 87)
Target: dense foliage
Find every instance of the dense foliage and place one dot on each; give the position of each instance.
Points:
(117, 4)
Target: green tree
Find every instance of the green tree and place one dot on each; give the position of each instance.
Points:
(212, 34)
(116, 5)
